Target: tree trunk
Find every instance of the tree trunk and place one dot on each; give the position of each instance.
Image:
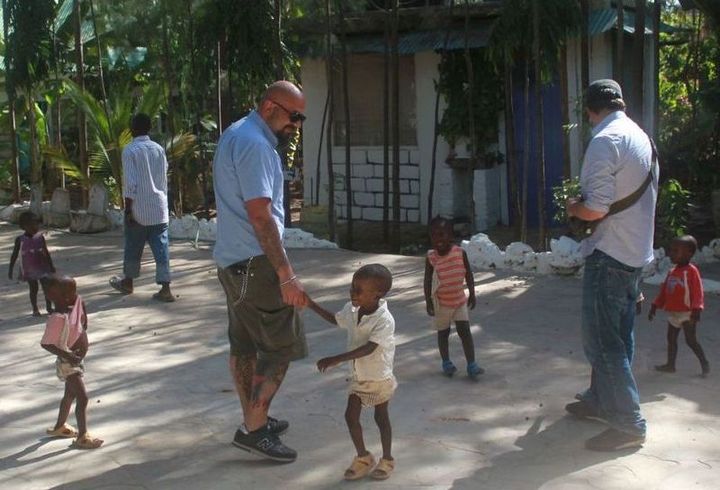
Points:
(279, 65)
(540, 130)
(396, 126)
(619, 43)
(331, 110)
(386, 123)
(346, 111)
(510, 150)
(565, 111)
(173, 168)
(436, 117)
(316, 201)
(638, 64)
(471, 117)
(12, 105)
(36, 184)
(584, 61)
(81, 119)
(526, 152)
(657, 12)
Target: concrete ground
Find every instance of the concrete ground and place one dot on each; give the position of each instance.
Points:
(162, 398)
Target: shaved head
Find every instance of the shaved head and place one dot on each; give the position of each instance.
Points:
(283, 91)
(281, 107)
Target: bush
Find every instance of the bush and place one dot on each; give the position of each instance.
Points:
(560, 193)
(672, 212)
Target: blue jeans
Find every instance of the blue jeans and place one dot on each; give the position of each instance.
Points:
(610, 289)
(136, 235)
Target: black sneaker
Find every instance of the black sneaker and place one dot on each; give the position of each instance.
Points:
(277, 427)
(583, 410)
(265, 444)
(614, 440)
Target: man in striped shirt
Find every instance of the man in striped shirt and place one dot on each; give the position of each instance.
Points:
(146, 209)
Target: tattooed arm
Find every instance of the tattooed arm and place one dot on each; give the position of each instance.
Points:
(260, 216)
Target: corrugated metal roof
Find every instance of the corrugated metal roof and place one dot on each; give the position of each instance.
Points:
(600, 21)
(604, 20)
(413, 42)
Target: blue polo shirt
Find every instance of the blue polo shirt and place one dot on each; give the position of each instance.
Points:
(246, 167)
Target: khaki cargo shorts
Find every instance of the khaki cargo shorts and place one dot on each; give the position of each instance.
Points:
(259, 323)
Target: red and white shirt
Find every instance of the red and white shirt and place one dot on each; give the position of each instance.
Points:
(449, 271)
(682, 290)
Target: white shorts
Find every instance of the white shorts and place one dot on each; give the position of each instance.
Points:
(677, 318)
(373, 392)
(446, 315)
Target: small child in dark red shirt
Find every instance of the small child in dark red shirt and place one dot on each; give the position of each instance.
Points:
(681, 295)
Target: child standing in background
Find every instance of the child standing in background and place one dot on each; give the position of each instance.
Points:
(681, 295)
(66, 337)
(371, 350)
(447, 270)
(35, 261)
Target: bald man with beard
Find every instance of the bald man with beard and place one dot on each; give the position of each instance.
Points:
(263, 293)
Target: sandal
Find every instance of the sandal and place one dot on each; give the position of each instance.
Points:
(117, 284)
(360, 467)
(87, 442)
(383, 470)
(65, 431)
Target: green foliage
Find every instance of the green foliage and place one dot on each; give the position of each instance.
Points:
(561, 193)
(511, 37)
(487, 99)
(690, 101)
(672, 211)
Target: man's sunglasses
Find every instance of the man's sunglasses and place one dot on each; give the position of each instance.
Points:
(294, 116)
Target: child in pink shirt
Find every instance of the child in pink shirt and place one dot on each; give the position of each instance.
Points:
(681, 295)
(66, 337)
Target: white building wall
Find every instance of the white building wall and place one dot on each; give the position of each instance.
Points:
(314, 83)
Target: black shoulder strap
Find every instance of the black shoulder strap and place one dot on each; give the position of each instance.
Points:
(628, 201)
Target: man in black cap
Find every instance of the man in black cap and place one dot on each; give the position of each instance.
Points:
(618, 163)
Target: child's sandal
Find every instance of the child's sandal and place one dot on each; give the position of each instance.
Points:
(65, 431)
(448, 368)
(87, 442)
(360, 467)
(383, 470)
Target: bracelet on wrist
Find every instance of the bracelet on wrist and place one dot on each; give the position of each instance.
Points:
(288, 281)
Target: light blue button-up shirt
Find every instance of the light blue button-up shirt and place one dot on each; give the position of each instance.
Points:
(617, 162)
(246, 167)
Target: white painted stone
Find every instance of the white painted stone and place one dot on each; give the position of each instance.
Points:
(12, 211)
(414, 156)
(409, 201)
(409, 172)
(363, 170)
(358, 184)
(116, 217)
(414, 187)
(98, 200)
(520, 256)
(715, 247)
(58, 214)
(363, 199)
(84, 222)
(375, 156)
(413, 216)
(374, 185)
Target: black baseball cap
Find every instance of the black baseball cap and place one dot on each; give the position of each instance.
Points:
(601, 91)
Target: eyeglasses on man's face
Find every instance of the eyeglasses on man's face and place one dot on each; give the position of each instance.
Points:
(294, 116)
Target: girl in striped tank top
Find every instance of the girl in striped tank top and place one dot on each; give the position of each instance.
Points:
(447, 271)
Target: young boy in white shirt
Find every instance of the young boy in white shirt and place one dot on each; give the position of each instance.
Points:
(371, 349)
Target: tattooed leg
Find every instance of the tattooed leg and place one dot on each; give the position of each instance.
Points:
(242, 369)
(265, 383)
